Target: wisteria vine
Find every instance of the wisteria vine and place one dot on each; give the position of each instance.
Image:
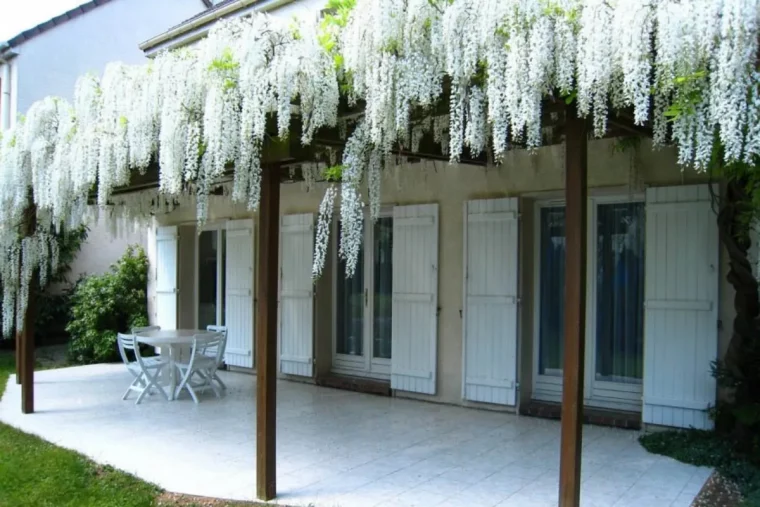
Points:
(472, 74)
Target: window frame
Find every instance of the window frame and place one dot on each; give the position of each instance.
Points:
(365, 365)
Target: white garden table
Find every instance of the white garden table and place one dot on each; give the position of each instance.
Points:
(173, 345)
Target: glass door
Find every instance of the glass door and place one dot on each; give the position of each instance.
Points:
(615, 303)
(210, 288)
(363, 306)
(382, 295)
(350, 322)
(551, 298)
(616, 341)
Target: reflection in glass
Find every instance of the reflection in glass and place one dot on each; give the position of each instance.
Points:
(551, 306)
(208, 255)
(620, 292)
(383, 294)
(350, 302)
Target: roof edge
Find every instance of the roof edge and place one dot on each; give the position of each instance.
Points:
(198, 25)
(53, 22)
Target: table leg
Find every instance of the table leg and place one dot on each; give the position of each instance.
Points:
(172, 373)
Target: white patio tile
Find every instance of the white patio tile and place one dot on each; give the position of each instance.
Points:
(643, 496)
(683, 500)
(449, 487)
(338, 448)
(420, 497)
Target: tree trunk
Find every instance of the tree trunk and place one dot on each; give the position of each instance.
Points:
(741, 357)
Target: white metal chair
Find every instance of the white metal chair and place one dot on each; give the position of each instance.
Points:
(145, 369)
(212, 352)
(202, 365)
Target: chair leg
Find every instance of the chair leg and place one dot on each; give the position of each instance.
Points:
(141, 396)
(153, 382)
(192, 393)
(137, 382)
(219, 381)
(185, 384)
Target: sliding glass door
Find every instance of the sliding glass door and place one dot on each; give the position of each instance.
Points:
(615, 302)
(363, 306)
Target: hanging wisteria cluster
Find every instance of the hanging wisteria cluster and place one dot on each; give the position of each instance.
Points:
(472, 74)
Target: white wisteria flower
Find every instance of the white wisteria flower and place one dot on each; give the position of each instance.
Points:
(475, 74)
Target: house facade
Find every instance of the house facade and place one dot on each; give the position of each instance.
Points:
(458, 295)
(46, 60)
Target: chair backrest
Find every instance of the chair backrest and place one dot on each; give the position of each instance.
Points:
(138, 354)
(146, 329)
(213, 351)
(126, 342)
(210, 345)
(217, 329)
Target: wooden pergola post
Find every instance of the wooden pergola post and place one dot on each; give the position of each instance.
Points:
(266, 335)
(25, 356)
(19, 369)
(575, 308)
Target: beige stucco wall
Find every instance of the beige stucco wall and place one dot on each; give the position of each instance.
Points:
(530, 176)
(102, 249)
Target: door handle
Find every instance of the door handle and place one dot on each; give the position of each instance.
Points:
(366, 297)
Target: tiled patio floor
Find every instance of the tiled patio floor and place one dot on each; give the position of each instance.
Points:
(338, 448)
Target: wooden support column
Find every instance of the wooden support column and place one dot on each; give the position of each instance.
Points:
(19, 337)
(575, 308)
(26, 355)
(266, 334)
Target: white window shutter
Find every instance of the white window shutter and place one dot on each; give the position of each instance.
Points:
(681, 306)
(296, 295)
(166, 277)
(415, 298)
(490, 312)
(239, 293)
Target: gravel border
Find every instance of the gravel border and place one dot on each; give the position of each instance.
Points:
(718, 492)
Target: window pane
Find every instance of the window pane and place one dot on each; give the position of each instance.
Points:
(552, 274)
(207, 258)
(350, 301)
(383, 268)
(620, 292)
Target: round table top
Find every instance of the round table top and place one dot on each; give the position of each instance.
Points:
(169, 336)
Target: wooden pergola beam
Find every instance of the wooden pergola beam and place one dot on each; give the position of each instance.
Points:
(576, 146)
(266, 334)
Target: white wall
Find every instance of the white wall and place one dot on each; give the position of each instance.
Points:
(102, 249)
(50, 63)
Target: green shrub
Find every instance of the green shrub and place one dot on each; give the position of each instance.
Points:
(103, 305)
(711, 449)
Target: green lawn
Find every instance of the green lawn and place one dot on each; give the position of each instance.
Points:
(35, 473)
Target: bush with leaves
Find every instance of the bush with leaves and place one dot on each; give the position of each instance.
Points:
(106, 304)
(714, 450)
